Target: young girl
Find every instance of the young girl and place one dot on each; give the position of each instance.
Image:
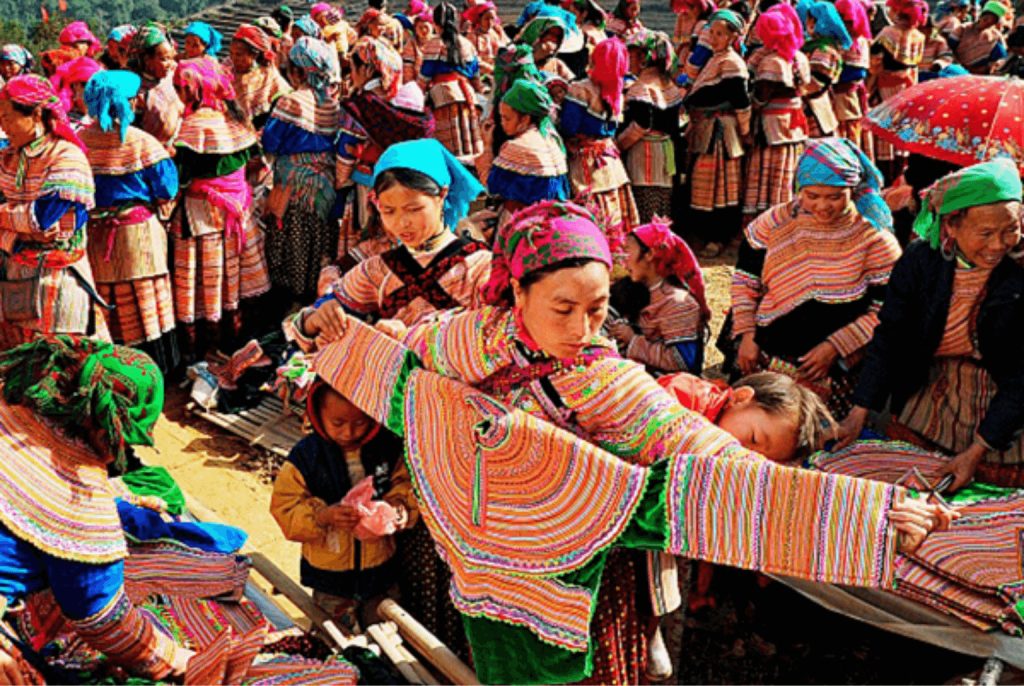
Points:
(720, 110)
(450, 78)
(421, 191)
(135, 179)
(811, 275)
(624, 21)
(650, 131)
(828, 38)
(531, 165)
(672, 326)
(218, 249)
(591, 112)
(348, 576)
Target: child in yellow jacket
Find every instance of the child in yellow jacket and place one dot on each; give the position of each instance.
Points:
(348, 576)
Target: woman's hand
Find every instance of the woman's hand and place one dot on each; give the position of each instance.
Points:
(748, 357)
(328, 276)
(45, 236)
(963, 466)
(327, 323)
(621, 332)
(10, 670)
(915, 518)
(815, 364)
(850, 428)
(392, 327)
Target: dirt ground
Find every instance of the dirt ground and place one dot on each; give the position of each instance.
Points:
(753, 635)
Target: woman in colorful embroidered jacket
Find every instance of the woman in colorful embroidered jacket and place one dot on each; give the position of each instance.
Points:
(624, 21)
(539, 351)
(135, 181)
(421, 192)
(691, 17)
(811, 275)
(545, 34)
(48, 191)
(673, 326)
(300, 135)
(450, 78)
(78, 37)
(980, 45)
(590, 115)
(485, 33)
(778, 71)
(218, 249)
(69, 83)
(258, 82)
(719, 107)
(531, 165)
(372, 120)
(896, 55)
(202, 40)
(420, 34)
(828, 38)
(946, 354)
(70, 409)
(650, 134)
(849, 94)
(158, 110)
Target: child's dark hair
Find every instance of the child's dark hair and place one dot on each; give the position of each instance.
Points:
(781, 396)
(629, 298)
(446, 17)
(410, 178)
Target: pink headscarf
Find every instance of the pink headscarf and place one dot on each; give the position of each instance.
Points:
(475, 12)
(416, 8)
(203, 83)
(325, 15)
(32, 90)
(780, 30)
(702, 6)
(78, 32)
(916, 10)
(70, 73)
(673, 257)
(540, 236)
(609, 66)
(853, 12)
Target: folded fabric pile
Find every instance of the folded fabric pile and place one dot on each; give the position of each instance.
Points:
(972, 571)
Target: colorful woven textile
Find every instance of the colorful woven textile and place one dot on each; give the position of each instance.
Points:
(210, 132)
(111, 155)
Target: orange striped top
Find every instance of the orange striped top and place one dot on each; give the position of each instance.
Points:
(968, 289)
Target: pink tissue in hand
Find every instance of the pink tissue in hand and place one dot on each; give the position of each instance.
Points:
(376, 517)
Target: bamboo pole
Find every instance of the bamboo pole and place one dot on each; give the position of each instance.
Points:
(428, 645)
(390, 646)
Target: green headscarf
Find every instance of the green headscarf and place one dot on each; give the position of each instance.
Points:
(81, 383)
(514, 62)
(731, 18)
(994, 7)
(537, 27)
(527, 97)
(982, 184)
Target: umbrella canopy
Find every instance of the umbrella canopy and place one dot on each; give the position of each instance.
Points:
(963, 120)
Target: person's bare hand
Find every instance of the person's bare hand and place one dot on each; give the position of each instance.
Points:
(327, 323)
(338, 516)
(328, 275)
(179, 666)
(10, 671)
(395, 328)
(915, 518)
(963, 466)
(748, 357)
(850, 428)
(816, 363)
(621, 331)
(46, 236)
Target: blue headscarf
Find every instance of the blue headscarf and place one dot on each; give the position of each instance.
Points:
(210, 36)
(540, 9)
(427, 156)
(318, 61)
(16, 53)
(828, 23)
(839, 163)
(120, 33)
(108, 95)
(309, 27)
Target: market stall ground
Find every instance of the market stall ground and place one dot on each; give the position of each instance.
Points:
(756, 633)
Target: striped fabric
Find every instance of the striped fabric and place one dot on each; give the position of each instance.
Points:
(805, 261)
(458, 129)
(715, 180)
(210, 132)
(906, 46)
(143, 309)
(110, 157)
(771, 175)
(53, 491)
(958, 337)
(301, 109)
(157, 568)
(257, 90)
(672, 317)
(532, 154)
(124, 635)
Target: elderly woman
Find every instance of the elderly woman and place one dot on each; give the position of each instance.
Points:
(48, 191)
(946, 353)
(71, 407)
(811, 274)
(538, 350)
(980, 45)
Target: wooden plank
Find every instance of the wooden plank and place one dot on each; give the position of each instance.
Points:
(402, 661)
(427, 645)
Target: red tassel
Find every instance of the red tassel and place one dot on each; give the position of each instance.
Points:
(62, 5)
(45, 13)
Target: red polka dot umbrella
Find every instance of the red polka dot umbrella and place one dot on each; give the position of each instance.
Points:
(962, 119)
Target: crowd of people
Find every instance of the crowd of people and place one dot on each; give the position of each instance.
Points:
(450, 216)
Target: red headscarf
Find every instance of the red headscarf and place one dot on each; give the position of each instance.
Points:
(369, 16)
(32, 90)
(203, 83)
(702, 6)
(477, 11)
(78, 32)
(853, 12)
(915, 10)
(70, 73)
(673, 257)
(609, 66)
(707, 398)
(780, 30)
(254, 37)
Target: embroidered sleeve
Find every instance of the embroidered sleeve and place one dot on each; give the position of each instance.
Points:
(359, 290)
(747, 289)
(857, 334)
(467, 345)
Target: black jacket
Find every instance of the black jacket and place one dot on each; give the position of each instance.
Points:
(912, 323)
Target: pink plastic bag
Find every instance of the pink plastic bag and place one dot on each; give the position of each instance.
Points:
(376, 517)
